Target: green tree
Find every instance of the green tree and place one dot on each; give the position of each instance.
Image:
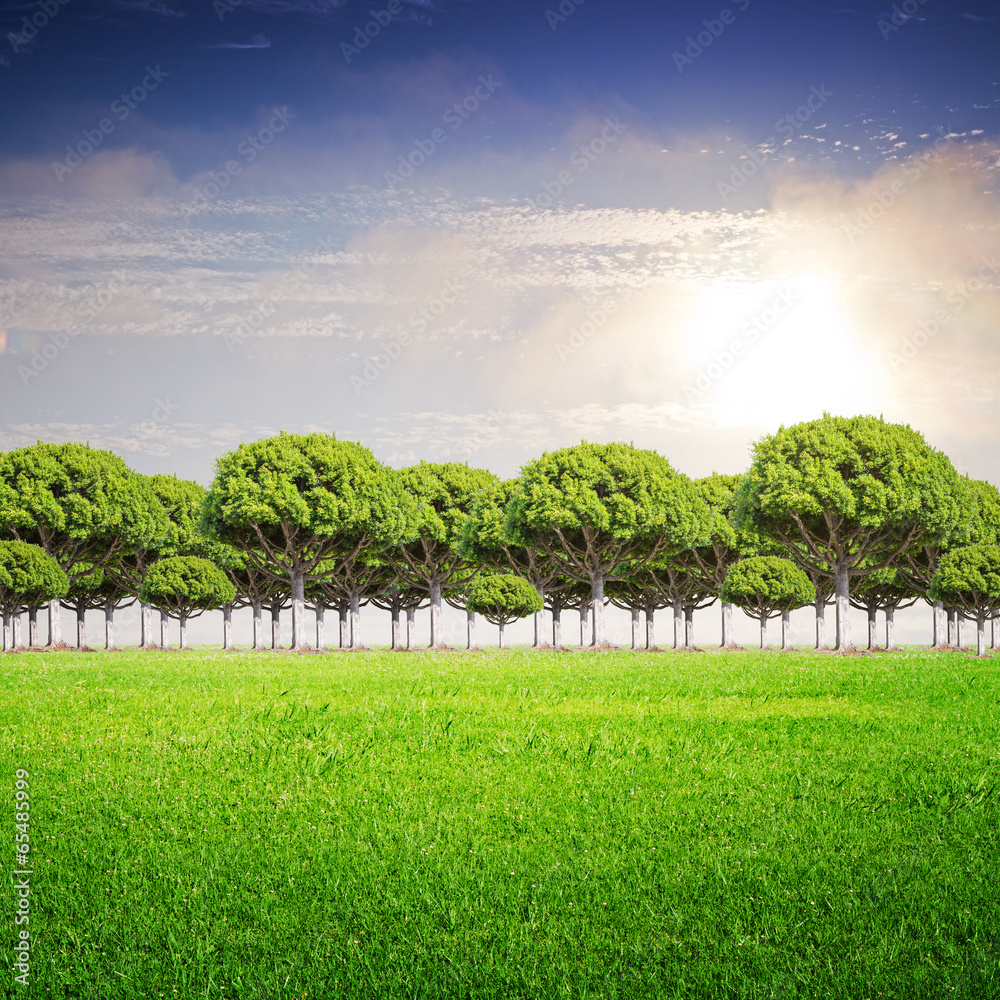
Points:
(83, 506)
(502, 598)
(767, 586)
(185, 587)
(603, 512)
(968, 578)
(433, 561)
(846, 495)
(296, 504)
(883, 590)
(28, 578)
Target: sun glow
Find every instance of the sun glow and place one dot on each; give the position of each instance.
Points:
(779, 352)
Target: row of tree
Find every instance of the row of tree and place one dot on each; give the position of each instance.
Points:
(854, 510)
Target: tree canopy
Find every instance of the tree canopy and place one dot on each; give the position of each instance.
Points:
(766, 586)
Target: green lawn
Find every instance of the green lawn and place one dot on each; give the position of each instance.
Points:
(381, 825)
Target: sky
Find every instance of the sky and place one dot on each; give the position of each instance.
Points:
(470, 230)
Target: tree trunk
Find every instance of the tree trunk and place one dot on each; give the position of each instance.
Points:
(993, 634)
(890, 628)
(786, 629)
(81, 626)
(435, 593)
(55, 623)
(960, 629)
(356, 619)
(980, 635)
(411, 615)
(872, 627)
(728, 640)
(394, 618)
(842, 590)
(584, 618)
(557, 626)
(6, 631)
(227, 626)
(470, 629)
(689, 627)
(636, 613)
(164, 630)
(258, 625)
(678, 624)
(500, 627)
(109, 624)
(183, 630)
(298, 581)
(146, 626)
(539, 622)
(320, 625)
(937, 610)
(952, 628)
(650, 626)
(763, 631)
(599, 640)
(275, 626)
(344, 622)
(33, 627)
(15, 634)
(820, 605)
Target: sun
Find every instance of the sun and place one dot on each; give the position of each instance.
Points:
(779, 352)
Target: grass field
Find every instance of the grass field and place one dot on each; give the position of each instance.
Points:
(533, 825)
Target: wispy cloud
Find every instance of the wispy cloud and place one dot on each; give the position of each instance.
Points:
(257, 42)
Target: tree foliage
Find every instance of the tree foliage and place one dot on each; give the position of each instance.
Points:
(185, 586)
(765, 586)
(28, 577)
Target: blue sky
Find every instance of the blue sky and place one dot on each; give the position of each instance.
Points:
(496, 228)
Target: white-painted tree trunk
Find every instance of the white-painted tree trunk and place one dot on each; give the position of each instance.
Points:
(183, 631)
(435, 593)
(275, 626)
(890, 628)
(980, 635)
(557, 627)
(961, 629)
(6, 632)
(872, 627)
(650, 626)
(33, 627)
(55, 623)
(109, 625)
(842, 592)
(937, 609)
(689, 627)
(584, 619)
(470, 629)
(81, 627)
(820, 605)
(227, 626)
(394, 620)
(597, 599)
(344, 624)
(786, 630)
(952, 627)
(298, 583)
(164, 630)
(258, 624)
(500, 645)
(636, 615)
(320, 626)
(356, 620)
(728, 635)
(763, 631)
(411, 627)
(678, 624)
(15, 635)
(995, 633)
(539, 622)
(146, 626)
